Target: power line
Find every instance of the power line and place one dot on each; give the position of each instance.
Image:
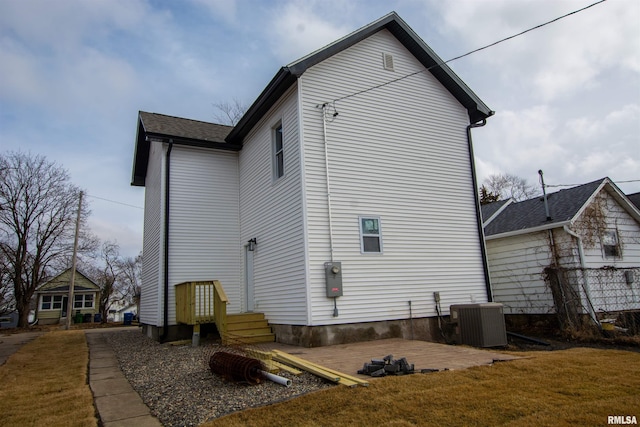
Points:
(468, 53)
(575, 185)
(114, 201)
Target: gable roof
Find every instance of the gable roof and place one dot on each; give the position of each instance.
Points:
(288, 75)
(60, 283)
(153, 126)
(564, 206)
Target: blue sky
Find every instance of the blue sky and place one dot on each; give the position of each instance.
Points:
(73, 75)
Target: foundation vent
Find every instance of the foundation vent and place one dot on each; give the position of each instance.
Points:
(387, 61)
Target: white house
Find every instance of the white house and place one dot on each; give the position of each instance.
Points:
(581, 255)
(358, 154)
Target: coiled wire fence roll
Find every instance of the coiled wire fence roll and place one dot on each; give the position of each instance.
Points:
(236, 368)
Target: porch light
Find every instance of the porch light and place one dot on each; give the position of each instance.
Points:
(252, 244)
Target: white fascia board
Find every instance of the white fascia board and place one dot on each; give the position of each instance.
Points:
(528, 230)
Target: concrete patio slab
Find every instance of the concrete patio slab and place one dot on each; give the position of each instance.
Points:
(349, 358)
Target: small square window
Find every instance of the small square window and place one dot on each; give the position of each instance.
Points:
(46, 302)
(278, 152)
(370, 235)
(610, 244)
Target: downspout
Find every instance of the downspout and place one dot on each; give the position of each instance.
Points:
(587, 290)
(165, 328)
(483, 248)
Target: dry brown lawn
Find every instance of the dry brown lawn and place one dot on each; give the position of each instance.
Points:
(576, 387)
(45, 383)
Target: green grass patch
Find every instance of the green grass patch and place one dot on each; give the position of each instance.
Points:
(45, 383)
(579, 386)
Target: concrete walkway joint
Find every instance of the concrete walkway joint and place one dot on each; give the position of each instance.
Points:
(116, 401)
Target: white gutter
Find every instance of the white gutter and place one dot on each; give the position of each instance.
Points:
(528, 230)
(583, 266)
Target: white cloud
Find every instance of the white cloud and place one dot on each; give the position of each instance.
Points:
(558, 59)
(227, 9)
(300, 27)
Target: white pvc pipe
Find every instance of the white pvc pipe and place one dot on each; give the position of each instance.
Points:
(277, 379)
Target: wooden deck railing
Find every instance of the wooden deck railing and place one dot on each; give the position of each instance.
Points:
(202, 302)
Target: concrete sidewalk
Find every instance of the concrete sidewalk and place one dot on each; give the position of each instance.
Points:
(9, 344)
(116, 402)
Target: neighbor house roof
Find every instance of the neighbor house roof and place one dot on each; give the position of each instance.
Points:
(153, 126)
(60, 284)
(288, 75)
(564, 206)
(635, 199)
(491, 209)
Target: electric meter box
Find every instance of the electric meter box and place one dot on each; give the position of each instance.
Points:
(333, 276)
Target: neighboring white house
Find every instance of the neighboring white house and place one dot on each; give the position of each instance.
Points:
(580, 257)
(358, 153)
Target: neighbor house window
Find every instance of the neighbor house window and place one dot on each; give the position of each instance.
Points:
(51, 302)
(278, 152)
(83, 301)
(610, 244)
(370, 237)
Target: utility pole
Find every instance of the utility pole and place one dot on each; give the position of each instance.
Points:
(73, 264)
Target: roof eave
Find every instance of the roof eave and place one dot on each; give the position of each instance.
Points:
(286, 76)
(512, 233)
(280, 83)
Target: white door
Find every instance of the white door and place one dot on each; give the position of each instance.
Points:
(248, 279)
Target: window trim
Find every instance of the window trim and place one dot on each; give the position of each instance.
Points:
(276, 155)
(53, 300)
(362, 235)
(617, 246)
(83, 301)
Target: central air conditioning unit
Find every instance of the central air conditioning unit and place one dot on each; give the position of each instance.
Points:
(479, 325)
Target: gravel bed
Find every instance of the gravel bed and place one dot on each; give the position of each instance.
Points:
(180, 390)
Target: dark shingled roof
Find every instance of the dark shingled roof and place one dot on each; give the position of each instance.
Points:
(563, 206)
(491, 208)
(179, 131)
(635, 199)
(160, 125)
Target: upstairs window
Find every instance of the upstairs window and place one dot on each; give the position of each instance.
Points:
(278, 152)
(610, 244)
(370, 235)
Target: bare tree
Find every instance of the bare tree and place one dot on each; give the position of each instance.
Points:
(105, 271)
(229, 113)
(7, 302)
(507, 186)
(131, 279)
(38, 207)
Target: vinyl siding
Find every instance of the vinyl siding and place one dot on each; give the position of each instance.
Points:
(398, 152)
(628, 230)
(516, 266)
(272, 212)
(151, 288)
(204, 228)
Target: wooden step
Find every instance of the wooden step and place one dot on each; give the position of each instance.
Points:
(248, 328)
(244, 317)
(252, 324)
(250, 339)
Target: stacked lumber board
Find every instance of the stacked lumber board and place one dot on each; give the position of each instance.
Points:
(321, 371)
